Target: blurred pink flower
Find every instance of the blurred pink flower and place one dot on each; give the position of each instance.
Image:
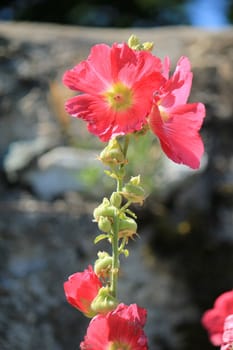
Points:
(213, 319)
(227, 339)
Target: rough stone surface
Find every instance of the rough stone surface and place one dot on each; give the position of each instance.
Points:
(184, 257)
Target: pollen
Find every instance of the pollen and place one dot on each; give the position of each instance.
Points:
(119, 97)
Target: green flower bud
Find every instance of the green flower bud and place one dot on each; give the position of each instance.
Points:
(133, 41)
(105, 209)
(135, 44)
(104, 224)
(116, 199)
(112, 154)
(127, 227)
(135, 180)
(133, 192)
(148, 46)
(103, 265)
(104, 301)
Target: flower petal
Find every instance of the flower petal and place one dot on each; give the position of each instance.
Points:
(178, 135)
(95, 111)
(177, 89)
(130, 66)
(121, 328)
(92, 75)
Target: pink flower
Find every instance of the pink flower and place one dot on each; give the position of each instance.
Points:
(213, 319)
(175, 122)
(118, 85)
(81, 289)
(119, 329)
(227, 339)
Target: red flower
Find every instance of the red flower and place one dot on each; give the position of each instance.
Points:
(213, 319)
(121, 329)
(118, 85)
(175, 122)
(227, 339)
(81, 289)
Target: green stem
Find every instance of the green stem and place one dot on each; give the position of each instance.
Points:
(115, 239)
(115, 257)
(125, 149)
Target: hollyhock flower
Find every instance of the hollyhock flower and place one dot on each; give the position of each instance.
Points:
(176, 122)
(227, 339)
(213, 319)
(118, 84)
(119, 329)
(81, 289)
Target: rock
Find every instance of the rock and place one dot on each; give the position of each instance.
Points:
(21, 153)
(58, 172)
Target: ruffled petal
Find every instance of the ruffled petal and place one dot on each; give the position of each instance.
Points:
(177, 89)
(95, 111)
(130, 66)
(97, 334)
(178, 135)
(92, 75)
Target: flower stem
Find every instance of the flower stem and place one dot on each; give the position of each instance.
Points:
(115, 257)
(115, 238)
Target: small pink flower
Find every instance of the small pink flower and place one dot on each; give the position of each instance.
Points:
(227, 339)
(213, 319)
(119, 329)
(81, 289)
(117, 84)
(175, 122)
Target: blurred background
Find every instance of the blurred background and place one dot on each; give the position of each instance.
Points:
(135, 13)
(51, 180)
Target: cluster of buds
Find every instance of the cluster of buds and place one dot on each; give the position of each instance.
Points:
(110, 210)
(135, 44)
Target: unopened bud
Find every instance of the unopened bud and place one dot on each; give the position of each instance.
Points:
(116, 199)
(135, 180)
(127, 227)
(112, 154)
(103, 265)
(148, 46)
(133, 192)
(133, 41)
(104, 224)
(135, 44)
(105, 209)
(104, 301)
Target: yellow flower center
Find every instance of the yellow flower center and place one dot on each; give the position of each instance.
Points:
(118, 346)
(119, 97)
(164, 115)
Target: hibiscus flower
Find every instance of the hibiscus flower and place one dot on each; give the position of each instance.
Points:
(174, 121)
(117, 84)
(81, 289)
(213, 319)
(119, 329)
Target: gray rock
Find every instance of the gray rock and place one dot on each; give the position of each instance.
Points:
(57, 172)
(21, 153)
